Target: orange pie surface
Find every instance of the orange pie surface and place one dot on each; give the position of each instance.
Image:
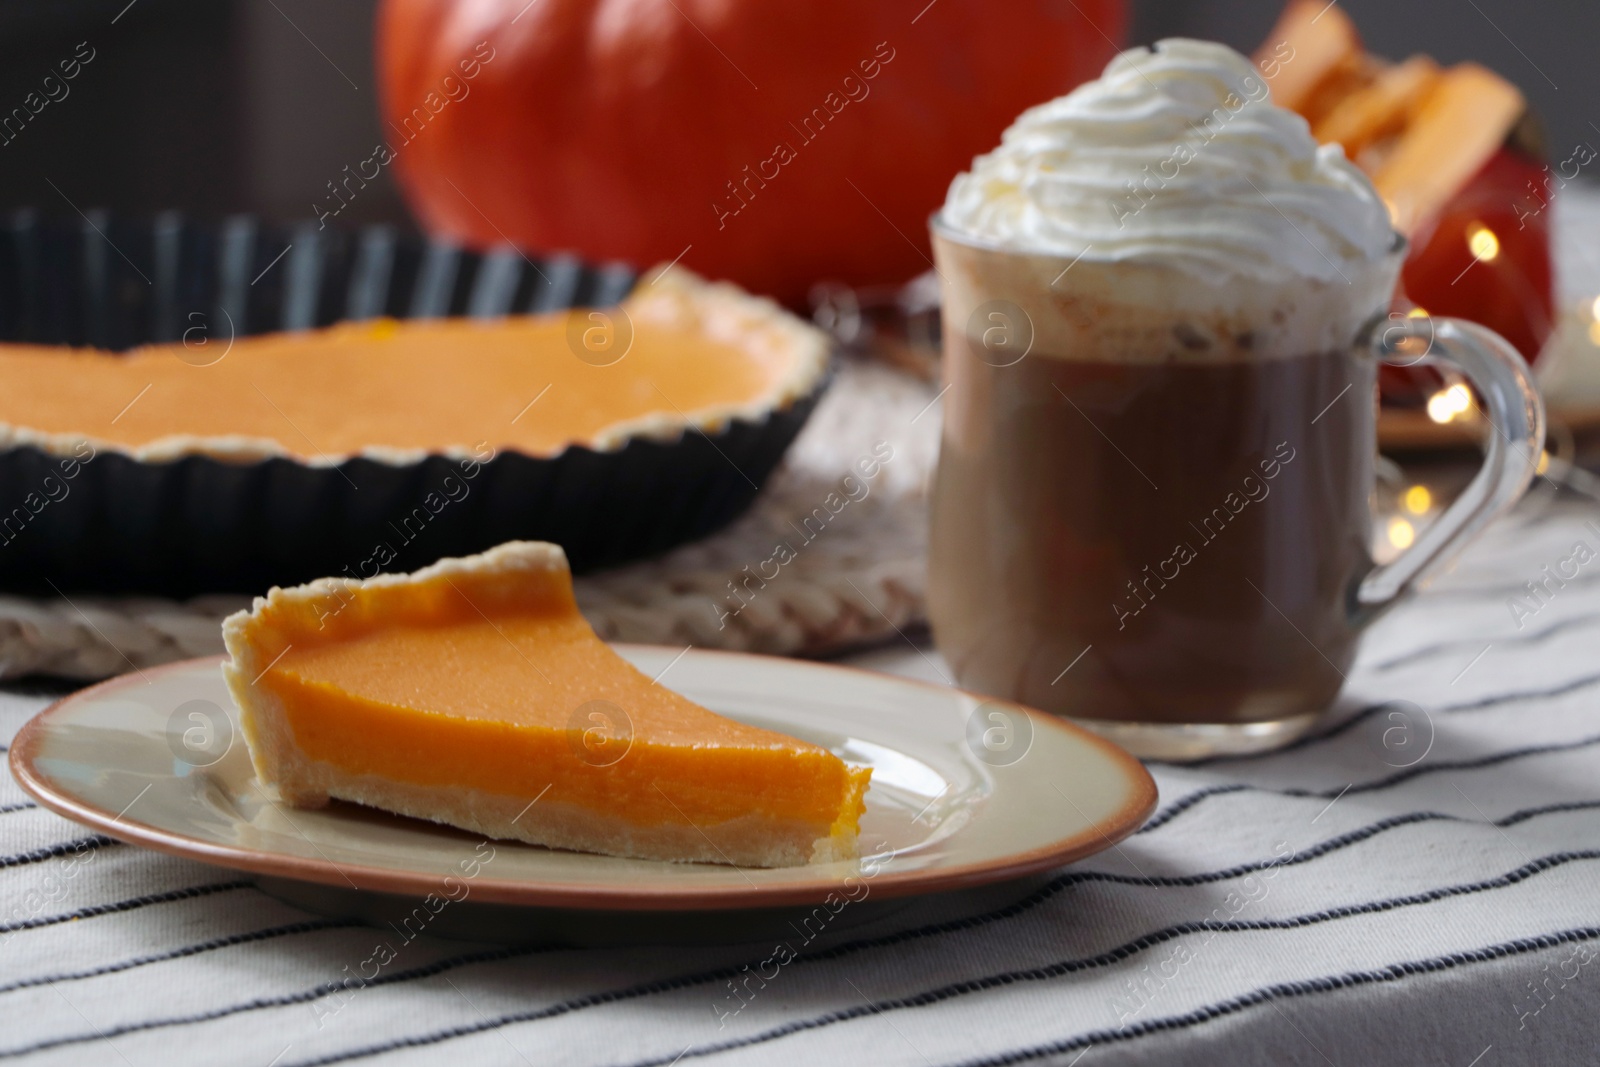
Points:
(473, 693)
(680, 352)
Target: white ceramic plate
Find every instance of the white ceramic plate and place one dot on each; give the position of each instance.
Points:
(964, 791)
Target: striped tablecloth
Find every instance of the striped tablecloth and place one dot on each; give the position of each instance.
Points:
(1417, 884)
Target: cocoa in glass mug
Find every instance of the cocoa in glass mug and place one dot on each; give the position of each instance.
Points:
(1153, 505)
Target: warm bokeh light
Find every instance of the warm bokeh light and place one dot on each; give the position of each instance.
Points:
(1544, 462)
(1594, 309)
(1484, 244)
(1418, 500)
(1594, 334)
(1401, 533)
(1446, 404)
(1419, 313)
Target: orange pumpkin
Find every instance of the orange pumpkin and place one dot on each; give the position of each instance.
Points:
(772, 143)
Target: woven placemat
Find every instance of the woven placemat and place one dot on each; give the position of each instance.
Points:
(830, 556)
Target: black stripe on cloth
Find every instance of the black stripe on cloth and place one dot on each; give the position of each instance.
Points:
(1039, 896)
(1506, 542)
(1527, 694)
(1405, 775)
(1394, 972)
(1476, 592)
(50, 852)
(1578, 622)
(1180, 806)
(305, 996)
(1372, 710)
(24, 805)
(1422, 770)
(972, 985)
(1183, 804)
(91, 911)
(248, 937)
(1548, 809)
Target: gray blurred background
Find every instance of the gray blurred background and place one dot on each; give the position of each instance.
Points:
(253, 105)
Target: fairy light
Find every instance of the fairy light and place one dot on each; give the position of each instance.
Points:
(1418, 500)
(1484, 244)
(1446, 404)
(1544, 462)
(1401, 533)
(1422, 313)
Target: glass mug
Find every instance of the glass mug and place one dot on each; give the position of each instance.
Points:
(1153, 505)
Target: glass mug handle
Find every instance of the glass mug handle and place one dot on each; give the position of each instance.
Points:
(1515, 415)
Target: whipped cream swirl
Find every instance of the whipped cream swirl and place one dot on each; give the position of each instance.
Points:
(1175, 156)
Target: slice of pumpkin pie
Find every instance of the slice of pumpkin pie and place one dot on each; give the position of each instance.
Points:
(473, 693)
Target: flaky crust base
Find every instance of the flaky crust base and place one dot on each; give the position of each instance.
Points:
(746, 842)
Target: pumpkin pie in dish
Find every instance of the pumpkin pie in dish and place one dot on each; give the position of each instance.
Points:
(473, 693)
(680, 354)
(615, 432)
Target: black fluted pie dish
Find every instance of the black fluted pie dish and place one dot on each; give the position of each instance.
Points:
(88, 505)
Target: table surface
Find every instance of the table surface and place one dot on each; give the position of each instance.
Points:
(1416, 883)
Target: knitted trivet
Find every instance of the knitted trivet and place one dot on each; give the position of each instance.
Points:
(830, 555)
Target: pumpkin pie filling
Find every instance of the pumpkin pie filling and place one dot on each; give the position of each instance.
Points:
(679, 352)
(473, 693)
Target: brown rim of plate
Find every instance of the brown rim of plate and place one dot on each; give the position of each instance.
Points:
(596, 897)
